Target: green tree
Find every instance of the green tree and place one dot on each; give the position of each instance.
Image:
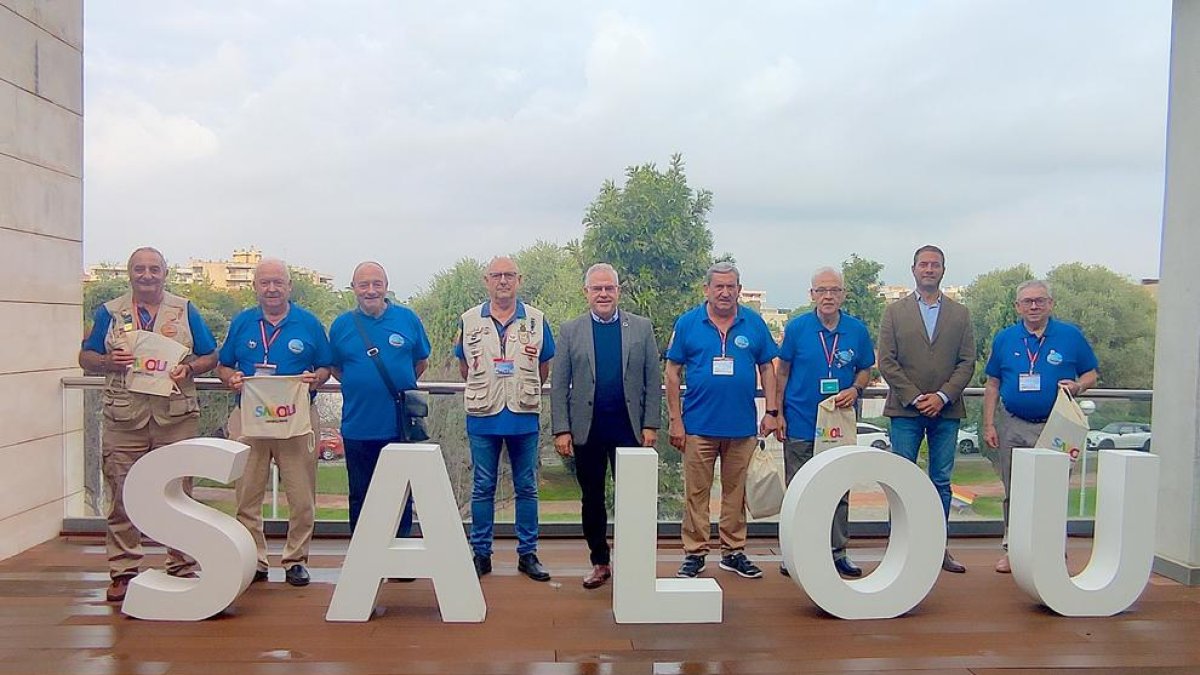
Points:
(552, 281)
(99, 292)
(449, 294)
(990, 299)
(654, 231)
(861, 279)
(320, 299)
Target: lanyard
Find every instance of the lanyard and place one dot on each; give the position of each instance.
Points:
(137, 318)
(1033, 356)
(267, 342)
(829, 353)
(724, 336)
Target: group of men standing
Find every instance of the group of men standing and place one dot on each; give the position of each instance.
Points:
(606, 393)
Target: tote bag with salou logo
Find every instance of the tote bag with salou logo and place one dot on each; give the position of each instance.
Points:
(1066, 428)
(154, 357)
(764, 484)
(835, 426)
(275, 407)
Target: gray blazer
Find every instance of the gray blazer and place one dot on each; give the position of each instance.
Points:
(913, 364)
(573, 378)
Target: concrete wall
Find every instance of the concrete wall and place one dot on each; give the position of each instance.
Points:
(41, 246)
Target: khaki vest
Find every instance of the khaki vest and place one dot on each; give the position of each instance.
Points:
(125, 410)
(488, 393)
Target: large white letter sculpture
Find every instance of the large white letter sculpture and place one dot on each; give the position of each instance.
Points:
(1123, 545)
(638, 597)
(157, 505)
(913, 558)
(440, 554)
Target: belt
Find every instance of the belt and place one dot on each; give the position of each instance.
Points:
(1039, 420)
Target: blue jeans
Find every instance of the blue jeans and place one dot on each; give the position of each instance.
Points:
(942, 434)
(485, 455)
(361, 458)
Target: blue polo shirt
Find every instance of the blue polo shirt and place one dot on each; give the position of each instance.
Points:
(721, 406)
(203, 342)
(507, 422)
(297, 344)
(850, 347)
(367, 410)
(1063, 355)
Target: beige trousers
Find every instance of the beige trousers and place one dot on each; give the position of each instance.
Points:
(699, 461)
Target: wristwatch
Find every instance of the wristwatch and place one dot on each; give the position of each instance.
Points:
(773, 413)
(859, 389)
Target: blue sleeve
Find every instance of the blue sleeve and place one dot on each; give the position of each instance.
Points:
(100, 323)
(203, 342)
(324, 356)
(675, 352)
(1087, 357)
(458, 348)
(769, 349)
(228, 354)
(547, 342)
(787, 351)
(992, 369)
(422, 349)
(866, 356)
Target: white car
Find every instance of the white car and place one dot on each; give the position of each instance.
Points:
(876, 437)
(1121, 435)
(968, 440)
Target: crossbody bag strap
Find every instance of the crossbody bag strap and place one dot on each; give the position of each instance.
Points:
(373, 353)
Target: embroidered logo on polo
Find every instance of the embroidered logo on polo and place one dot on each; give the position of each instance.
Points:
(741, 341)
(1054, 358)
(396, 340)
(843, 358)
(295, 346)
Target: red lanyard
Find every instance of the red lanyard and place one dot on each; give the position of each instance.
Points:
(829, 353)
(724, 336)
(1033, 356)
(137, 319)
(267, 342)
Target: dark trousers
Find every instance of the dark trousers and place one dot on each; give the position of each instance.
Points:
(592, 460)
(361, 458)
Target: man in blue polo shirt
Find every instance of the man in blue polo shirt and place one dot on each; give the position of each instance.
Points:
(378, 335)
(722, 349)
(277, 338)
(504, 349)
(1030, 360)
(825, 352)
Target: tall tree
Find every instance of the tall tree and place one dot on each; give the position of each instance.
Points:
(449, 294)
(654, 231)
(861, 278)
(990, 299)
(552, 281)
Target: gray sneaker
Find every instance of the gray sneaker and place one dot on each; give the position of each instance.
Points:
(692, 566)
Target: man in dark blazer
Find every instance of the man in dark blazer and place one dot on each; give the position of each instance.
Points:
(606, 393)
(927, 357)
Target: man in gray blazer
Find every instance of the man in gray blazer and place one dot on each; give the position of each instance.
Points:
(927, 357)
(606, 393)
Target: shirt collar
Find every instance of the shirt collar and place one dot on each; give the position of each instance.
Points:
(820, 326)
(615, 317)
(1046, 333)
(260, 316)
(487, 310)
(741, 314)
(387, 305)
(921, 301)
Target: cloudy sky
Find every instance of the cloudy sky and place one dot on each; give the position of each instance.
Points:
(417, 133)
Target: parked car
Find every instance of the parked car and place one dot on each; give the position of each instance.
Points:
(330, 447)
(968, 440)
(876, 437)
(1120, 435)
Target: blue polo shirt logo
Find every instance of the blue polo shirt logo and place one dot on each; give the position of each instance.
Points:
(295, 346)
(741, 341)
(396, 340)
(251, 344)
(1054, 358)
(843, 358)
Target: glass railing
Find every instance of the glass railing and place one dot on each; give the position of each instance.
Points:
(976, 508)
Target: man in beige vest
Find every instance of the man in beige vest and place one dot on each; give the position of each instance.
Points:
(504, 350)
(136, 423)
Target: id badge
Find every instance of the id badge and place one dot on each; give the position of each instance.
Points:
(503, 367)
(1029, 382)
(829, 385)
(264, 369)
(722, 365)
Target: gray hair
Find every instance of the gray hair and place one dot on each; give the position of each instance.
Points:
(1036, 283)
(146, 249)
(827, 270)
(723, 267)
(498, 258)
(601, 267)
(287, 272)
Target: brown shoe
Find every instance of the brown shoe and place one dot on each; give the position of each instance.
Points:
(116, 589)
(951, 565)
(1002, 566)
(597, 577)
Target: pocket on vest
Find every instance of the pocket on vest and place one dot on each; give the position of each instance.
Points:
(118, 406)
(182, 406)
(476, 395)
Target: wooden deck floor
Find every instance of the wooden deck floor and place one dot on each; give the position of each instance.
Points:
(53, 619)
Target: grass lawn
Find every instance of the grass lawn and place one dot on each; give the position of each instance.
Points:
(331, 480)
(974, 473)
(557, 485)
(990, 507)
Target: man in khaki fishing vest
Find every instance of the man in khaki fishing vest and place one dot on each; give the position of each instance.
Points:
(136, 423)
(504, 349)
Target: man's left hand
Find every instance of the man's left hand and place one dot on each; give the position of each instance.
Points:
(649, 437)
(930, 405)
(846, 397)
(310, 379)
(1071, 386)
(768, 425)
(180, 373)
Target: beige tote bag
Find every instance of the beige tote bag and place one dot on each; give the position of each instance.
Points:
(275, 406)
(835, 426)
(764, 484)
(154, 357)
(1066, 428)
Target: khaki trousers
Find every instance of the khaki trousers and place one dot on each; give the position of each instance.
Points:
(297, 461)
(699, 461)
(120, 450)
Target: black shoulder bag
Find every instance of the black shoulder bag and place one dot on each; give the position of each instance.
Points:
(412, 407)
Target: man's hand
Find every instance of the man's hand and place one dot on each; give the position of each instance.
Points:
(768, 425)
(235, 381)
(180, 373)
(990, 436)
(119, 359)
(649, 437)
(781, 430)
(930, 405)
(564, 445)
(846, 397)
(310, 379)
(678, 435)
(1071, 386)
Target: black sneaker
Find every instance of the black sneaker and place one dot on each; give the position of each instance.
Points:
(483, 564)
(738, 562)
(296, 575)
(783, 570)
(692, 566)
(529, 565)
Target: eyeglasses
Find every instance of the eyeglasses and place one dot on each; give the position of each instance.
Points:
(602, 289)
(502, 275)
(827, 291)
(1032, 302)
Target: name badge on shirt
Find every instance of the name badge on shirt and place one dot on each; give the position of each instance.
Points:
(503, 367)
(829, 385)
(1029, 382)
(722, 365)
(264, 369)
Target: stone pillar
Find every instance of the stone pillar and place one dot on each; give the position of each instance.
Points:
(1177, 348)
(41, 249)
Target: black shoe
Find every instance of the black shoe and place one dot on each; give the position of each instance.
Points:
(738, 562)
(483, 564)
(692, 566)
(951, 565)
(529, 565)
(847, 568)
(783, 570)
(401, 580)
(296, 575)
(259, 575)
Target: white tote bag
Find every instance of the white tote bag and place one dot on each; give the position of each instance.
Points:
(835, 426)
(154, 357)
(1066, 428)
(275, 406)
(764, 484)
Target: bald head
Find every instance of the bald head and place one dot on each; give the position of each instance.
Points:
(370, 285)
(272, 286)
(502, 279)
